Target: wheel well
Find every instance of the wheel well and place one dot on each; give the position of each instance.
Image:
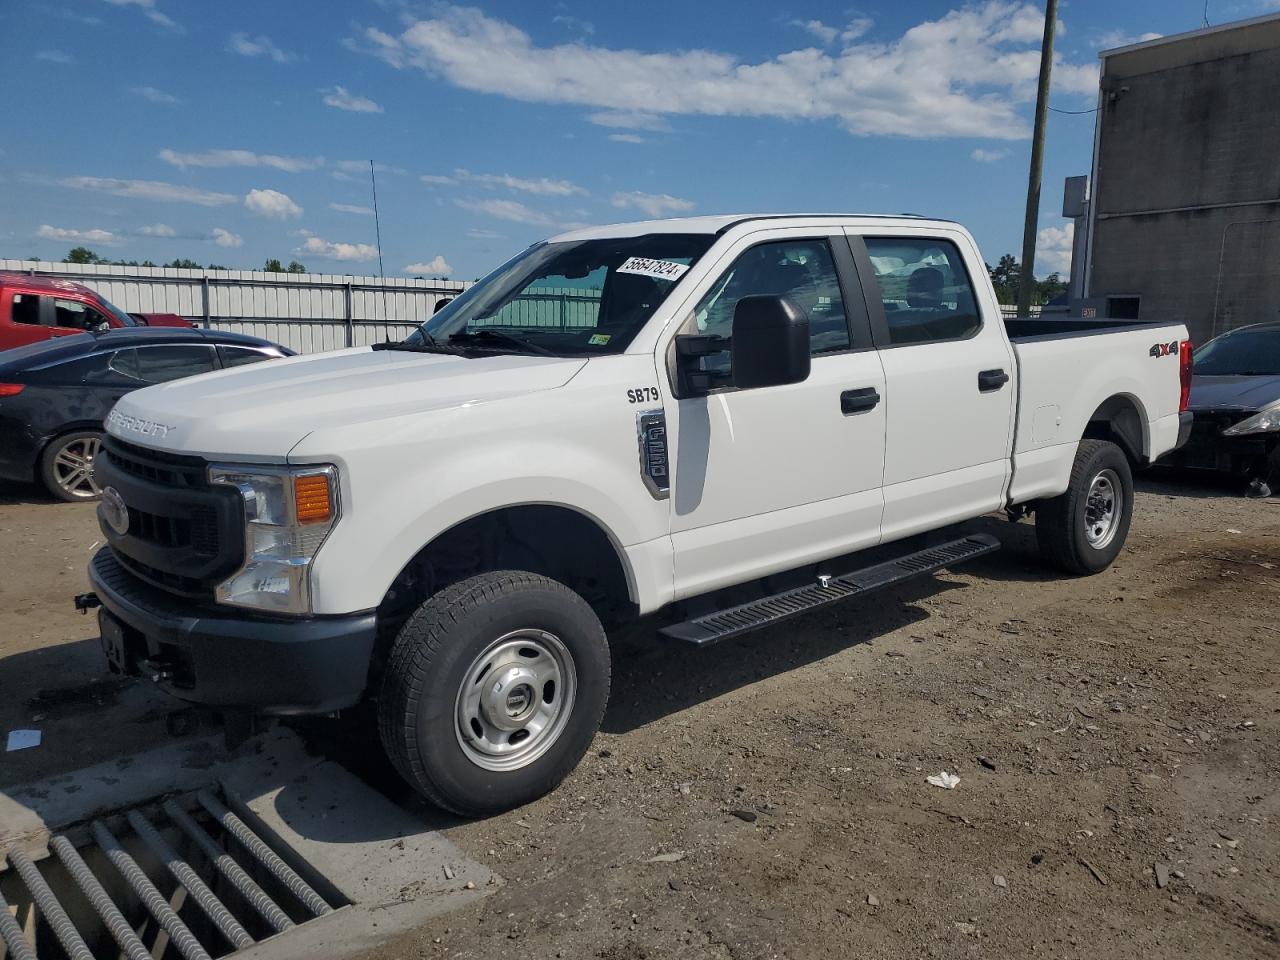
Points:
(556, 542)
(1119, 419)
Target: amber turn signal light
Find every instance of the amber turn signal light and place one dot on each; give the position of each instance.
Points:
(311, 498)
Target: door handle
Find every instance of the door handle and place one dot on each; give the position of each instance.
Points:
(859, 401)
(989, 380)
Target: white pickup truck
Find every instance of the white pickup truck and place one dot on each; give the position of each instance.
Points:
(711, 423)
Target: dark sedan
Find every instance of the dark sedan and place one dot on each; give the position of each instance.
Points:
(1235, 395)
(55, 395)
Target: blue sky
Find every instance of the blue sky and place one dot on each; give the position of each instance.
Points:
(230, 132)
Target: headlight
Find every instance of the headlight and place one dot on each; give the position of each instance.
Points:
(288, 513)
(1265, 421)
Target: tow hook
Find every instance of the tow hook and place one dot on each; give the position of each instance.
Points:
(86, 602)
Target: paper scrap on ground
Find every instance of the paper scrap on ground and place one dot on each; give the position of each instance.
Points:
(947, 781)
(658, 269)
(22, 739)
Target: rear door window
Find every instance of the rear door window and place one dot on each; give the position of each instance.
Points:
(162, 364)
(26, 308)
(925, 289)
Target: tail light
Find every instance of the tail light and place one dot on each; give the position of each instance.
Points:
(1184, 374)
(11, 389)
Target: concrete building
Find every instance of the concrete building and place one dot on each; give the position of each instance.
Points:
(1184, 212)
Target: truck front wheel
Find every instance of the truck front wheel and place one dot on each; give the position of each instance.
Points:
(493, 690)
(1083, 530)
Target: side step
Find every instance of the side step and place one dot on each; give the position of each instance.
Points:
(723, 624)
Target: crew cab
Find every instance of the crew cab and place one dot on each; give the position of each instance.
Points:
(700, 426)
(36, 308)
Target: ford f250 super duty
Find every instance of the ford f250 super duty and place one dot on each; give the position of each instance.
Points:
(711, 423)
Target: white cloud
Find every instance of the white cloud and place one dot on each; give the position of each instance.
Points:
(352, 208)
(437, 267)
(630, 120)
(154, 95)
(1110, 39)
(158, 230)
(148, 8)
(339, 251)
(539, 186)
(654, 204)
(362, 166)
(988, 156)
(55, 56)
(627, 138)
(239, 158)
(818, 29)
(479, 234)
(149, 190)
(104, 237)
(511, 210)
(271, 203)
(856, 28)
(225, 238)
(1053, 249)
(574, 23)
(968, 73)
(259, 46)
(344, 99)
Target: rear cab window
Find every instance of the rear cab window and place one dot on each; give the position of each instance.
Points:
(25, 308)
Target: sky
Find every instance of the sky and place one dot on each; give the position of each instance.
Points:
(233, 132)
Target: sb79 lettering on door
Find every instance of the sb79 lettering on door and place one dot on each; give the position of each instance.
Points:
(643, 395)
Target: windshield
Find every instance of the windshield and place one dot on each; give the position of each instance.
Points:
(576, 297)
(1241, 353)
(126, 319)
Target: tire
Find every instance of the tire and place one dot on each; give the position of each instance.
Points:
(1078, 532)
(66, 466)
(466, 746)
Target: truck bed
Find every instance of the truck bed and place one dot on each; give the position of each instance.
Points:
(1026, 329)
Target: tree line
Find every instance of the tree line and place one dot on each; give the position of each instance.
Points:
(85, 255)
(1006, 277)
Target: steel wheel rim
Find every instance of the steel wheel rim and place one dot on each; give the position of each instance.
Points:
(1104, 505)
(515, 700)
(73, 467)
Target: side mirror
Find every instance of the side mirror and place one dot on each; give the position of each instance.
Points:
(770, 342)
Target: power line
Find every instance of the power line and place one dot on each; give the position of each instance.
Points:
(1074, 112)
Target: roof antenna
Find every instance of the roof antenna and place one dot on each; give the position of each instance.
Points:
(377, 227)
(1206, 13)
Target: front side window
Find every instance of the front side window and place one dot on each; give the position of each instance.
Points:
(26, 308)
(77, 315)
(801, 270)
(925, 289)
(570, 298)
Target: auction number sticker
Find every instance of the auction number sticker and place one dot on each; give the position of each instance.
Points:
(658, 269)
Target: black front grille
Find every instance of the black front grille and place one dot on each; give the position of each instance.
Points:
(185, 534)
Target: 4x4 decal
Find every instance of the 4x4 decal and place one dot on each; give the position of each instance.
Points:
(1163, 349)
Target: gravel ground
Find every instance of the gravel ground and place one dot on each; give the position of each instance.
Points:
(768, 797)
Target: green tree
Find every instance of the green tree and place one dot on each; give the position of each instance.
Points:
(184, 264)
(273, 266)
(295, 267)
(81, 255)
(1005, 277)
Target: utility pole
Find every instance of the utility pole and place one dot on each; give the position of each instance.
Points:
(1027, 276)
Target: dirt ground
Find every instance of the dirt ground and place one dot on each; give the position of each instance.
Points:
(767, 797)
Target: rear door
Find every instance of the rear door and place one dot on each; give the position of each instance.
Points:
(949, 371)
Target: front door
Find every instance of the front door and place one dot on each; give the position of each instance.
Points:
(950, 374)
(772, 478)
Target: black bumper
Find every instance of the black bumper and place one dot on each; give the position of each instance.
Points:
(1186, 420)
(220, 659)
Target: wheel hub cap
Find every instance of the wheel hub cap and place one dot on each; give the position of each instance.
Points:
(515, 700)
(1103, 509)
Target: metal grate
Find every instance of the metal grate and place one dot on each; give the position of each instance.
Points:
(185, 879)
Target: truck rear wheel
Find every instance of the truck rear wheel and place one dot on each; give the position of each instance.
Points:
(1083, 530)
(493, 690)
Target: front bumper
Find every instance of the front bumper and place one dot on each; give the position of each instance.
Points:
(1205, 448)
(235, 661)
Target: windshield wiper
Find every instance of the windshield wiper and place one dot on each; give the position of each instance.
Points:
(497, 336)
(429, 345)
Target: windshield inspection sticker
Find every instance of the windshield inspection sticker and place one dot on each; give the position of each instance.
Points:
(658, 269)
(600, 339)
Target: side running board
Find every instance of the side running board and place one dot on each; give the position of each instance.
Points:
(723, 624)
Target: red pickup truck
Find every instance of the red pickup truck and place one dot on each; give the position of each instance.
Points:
(40, 308)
